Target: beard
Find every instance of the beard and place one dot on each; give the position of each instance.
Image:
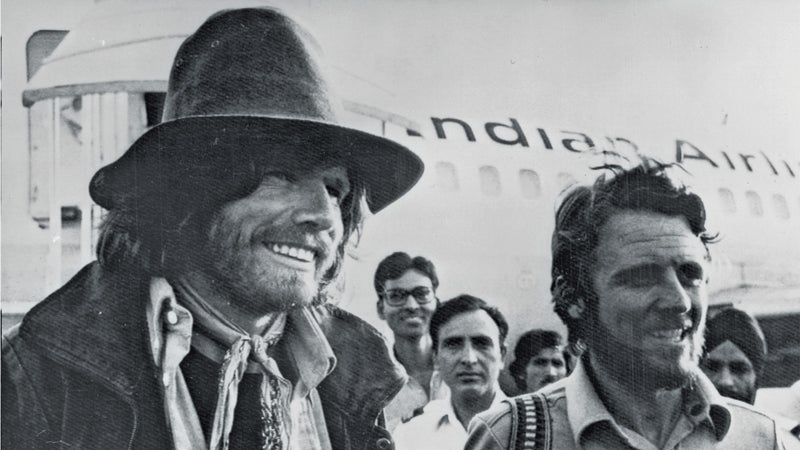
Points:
(748, 396)
(238, 267)
(645, 369)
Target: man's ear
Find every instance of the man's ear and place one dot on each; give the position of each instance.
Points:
(379, 307)
(503, 350)
(577, 309)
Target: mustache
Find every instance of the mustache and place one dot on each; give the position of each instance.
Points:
(735, 394)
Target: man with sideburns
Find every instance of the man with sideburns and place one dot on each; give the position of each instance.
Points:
(205, 322)
(630, 272)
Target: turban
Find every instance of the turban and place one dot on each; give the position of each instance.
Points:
(742, 330)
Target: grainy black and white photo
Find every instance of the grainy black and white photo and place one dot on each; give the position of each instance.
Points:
(400, 224)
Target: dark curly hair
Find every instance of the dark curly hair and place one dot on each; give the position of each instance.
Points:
(648, 186)
(161, 236)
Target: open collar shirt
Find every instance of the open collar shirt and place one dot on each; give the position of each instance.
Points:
(311, 355)
(413, 397)
(437, 427)
(705, 418)
(580, 420)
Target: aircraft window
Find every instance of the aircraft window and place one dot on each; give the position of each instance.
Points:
(754, 203)
(781, 207)
(529, 183)
(565, 180)
(446, 178)
(490, 181)
(728, 201)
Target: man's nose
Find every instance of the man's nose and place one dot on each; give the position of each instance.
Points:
(411, 301)
(314, 206)
(672, 294)
(552, 370)
(469, 355)
(724, 378)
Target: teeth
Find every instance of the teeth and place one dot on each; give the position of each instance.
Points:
(668, 334)
(294, 252)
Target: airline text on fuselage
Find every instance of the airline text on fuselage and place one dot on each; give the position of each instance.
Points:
(512, 134)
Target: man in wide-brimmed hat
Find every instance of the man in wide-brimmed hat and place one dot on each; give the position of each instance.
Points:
(204, 323)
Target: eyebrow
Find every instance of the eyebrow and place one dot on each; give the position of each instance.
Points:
(629, 272)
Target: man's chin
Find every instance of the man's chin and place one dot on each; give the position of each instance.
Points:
(737, 395)
(647, 368)
(282, 298)
(471, 390)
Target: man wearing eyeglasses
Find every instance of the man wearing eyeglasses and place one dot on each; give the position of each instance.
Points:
(406, 288)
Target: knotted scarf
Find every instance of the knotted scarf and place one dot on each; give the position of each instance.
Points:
(244, 352)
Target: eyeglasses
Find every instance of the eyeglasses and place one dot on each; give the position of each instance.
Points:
(397, 297)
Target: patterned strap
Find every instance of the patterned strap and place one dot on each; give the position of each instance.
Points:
(533, 430)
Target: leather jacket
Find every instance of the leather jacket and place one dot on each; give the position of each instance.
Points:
(77, 372)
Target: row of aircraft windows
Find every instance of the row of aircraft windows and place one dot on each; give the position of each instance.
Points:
(755, 205)
(530, 186)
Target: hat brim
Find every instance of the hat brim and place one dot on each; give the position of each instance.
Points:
(209, 151)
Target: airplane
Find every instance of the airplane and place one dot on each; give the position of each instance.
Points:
(506, 108)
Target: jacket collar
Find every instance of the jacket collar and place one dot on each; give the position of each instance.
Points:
(96, 323)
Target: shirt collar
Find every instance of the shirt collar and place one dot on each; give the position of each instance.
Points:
(447, 414)
(310, 351)
(311, 354)
(701, 402)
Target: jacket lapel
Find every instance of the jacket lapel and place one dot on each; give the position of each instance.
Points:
(96, 324)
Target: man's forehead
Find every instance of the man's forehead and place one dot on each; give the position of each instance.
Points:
(305, 162)
(411, 277)
(647, 231)
(476, 323)
(550, 351)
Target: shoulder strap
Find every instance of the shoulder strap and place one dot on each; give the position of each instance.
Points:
(533, 428)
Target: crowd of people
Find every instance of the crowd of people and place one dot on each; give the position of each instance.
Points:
(206, 322)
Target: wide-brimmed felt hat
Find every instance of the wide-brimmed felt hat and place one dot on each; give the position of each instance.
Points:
(247, 88)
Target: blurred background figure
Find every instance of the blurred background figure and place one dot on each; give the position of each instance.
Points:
(735, 353)
(406, 288)
(540, 358)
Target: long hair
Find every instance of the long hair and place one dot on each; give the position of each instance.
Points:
(162, 236)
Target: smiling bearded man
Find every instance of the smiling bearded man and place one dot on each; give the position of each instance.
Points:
(204, 322)
(630, 269)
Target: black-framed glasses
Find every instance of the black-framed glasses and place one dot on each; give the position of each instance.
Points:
(397, 297)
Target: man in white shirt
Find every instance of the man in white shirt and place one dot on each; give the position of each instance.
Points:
(469, 344)
(406, 288)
